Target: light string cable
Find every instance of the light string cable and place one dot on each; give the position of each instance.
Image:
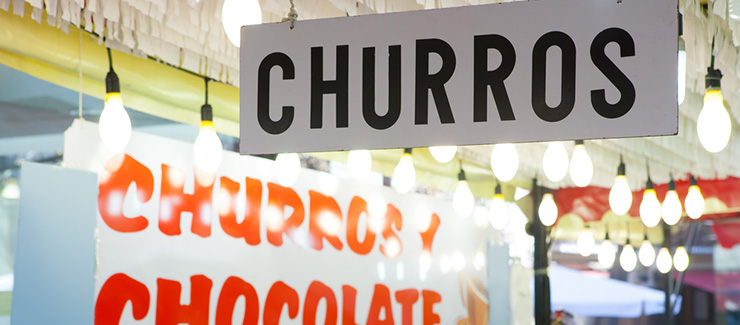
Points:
(292, 15)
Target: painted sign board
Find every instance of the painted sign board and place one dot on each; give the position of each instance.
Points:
(164, 243)
(511, 72)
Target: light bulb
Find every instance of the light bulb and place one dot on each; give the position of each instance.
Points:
(207, 149)
(443, 154)
(11, 190)
(359, 163)
(628, 258)
(713, 125)
(463, 200)
(606, 254)
(404, 175)
(663, 261)
(237, 13)
(650, 208)
(694, 201)
(681, 70)
(646, 254)
(555, 161)
(586, 243)
(114, 124)
(620, 196)
(548, 211)
(504, 161)
(287, 168)
(499, 212)
(480, 217)
(581, 167)
(681, 259)
(671, 208)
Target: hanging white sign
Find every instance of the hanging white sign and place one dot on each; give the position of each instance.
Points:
(514, 72)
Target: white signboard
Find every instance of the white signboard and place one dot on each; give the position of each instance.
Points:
(513, 72)
(179, 246)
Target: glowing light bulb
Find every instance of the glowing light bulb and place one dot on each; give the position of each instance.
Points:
(681, 70)
(681, 259)
(237, 13)
(443, 154)
(628, 258)
(694, 201)
(620, 196)
(548, 211)
(359, 163)
(11, 190)
(504, 161)
(650, 206)
(581, 167)
(671, 209)
(480, 261)
(555, 161)
(586, 243)
(663, 261)
(463, 200)
(499, 212)
(646, 254)
(606, 254)
(114, 124)
(287, 168)
(404, 175)
(207, 149)
(713, 125)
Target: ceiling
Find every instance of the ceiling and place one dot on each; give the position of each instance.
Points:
(190, 37)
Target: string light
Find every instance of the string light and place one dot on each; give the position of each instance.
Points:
(606, 254)
(359, 163)
(463, 200)
(647, 252)
(207, 149)
(694, 202)
(671, 208)
(499, 213)
(586, 242)
(548, 210)
(443, 154)
(504, 161)
(404, 175)
(650, 206)
(555, 161)
(628, 258)
(581, 167)
(237, 13)
(287, 168)
(10, 189)
(681, 259)
(620, 196)
(681, 62)
(713, 124)
(114, 124)
(663, 261)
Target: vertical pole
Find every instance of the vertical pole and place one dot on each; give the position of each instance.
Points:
(667, 281)
(541, 281)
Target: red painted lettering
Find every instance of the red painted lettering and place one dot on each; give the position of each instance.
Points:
(407, 298)
(169, 310)
(249, 228)
(114, 183)
(280, 294)
(234, 288)
(280, 197)
(430, 298)
(324, 221)
(316, 292)
(113, 296)
(173, 201)
(381, 302)
(357, 207)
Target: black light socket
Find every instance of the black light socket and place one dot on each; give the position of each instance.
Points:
(621, 169)
(649, 184)
(461, 175)
(672, 185)
(692, 181)
(713, 80)
(579, 142)
(407, 150)
(497, 190)
(112, 84)
(206, 113)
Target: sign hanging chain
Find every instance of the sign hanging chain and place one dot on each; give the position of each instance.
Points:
(292, 15)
